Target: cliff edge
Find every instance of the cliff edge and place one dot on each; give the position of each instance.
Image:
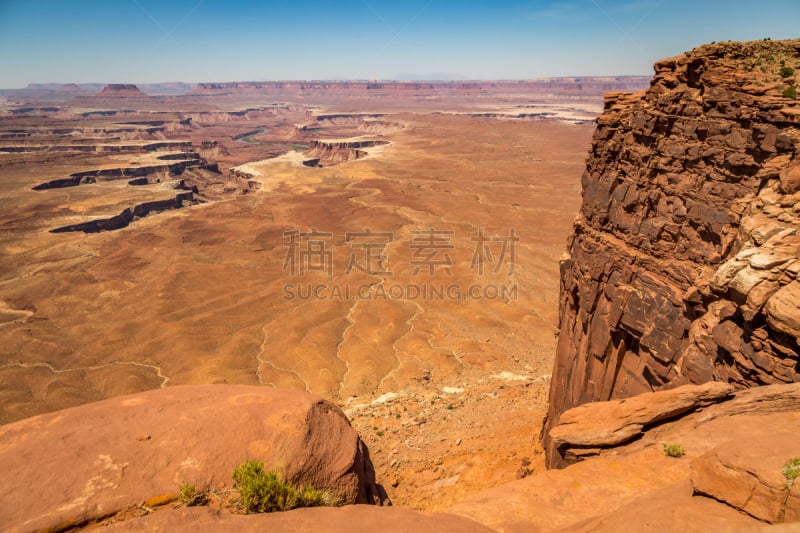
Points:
(684, 260)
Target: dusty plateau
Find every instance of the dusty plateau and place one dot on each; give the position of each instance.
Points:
(144, 247)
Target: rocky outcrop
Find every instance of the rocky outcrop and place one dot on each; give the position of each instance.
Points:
(748, 477)
(729, 477)
(124, 218)
(684, 260)
(96, 148)
(242, 115)
(187, 160)
(118, 463)
(91, 462)
(120, 89)
(332, 152)
(588, 428)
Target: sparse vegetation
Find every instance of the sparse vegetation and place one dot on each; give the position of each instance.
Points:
(189, 495)
(790, 92)
(787, 72)
(674, 450)
(524, 468)
(791, 470)
(266, 491)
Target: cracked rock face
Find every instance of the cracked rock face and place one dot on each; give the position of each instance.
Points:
(684, 260)
(749, 477)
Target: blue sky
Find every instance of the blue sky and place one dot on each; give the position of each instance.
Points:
(208, 40)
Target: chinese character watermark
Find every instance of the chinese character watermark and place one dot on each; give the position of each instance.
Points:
(483, 251)
(307, 252)
(372, 245)
(430, 251)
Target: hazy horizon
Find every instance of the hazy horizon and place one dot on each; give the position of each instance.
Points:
(394, 79)
(143, 41)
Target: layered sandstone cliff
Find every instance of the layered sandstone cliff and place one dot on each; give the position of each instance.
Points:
(683, 266)
(121, 89)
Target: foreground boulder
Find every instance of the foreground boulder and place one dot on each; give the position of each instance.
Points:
(749, 476)
(319, 520)
(729, 477)
(85, 463)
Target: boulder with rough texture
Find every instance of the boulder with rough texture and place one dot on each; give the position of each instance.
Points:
(684, 260)
(748, 475)
(84, 463)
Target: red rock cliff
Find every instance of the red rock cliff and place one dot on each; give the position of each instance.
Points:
(684, 260)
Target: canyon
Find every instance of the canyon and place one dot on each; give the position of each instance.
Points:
(147, 244)
(366, 284)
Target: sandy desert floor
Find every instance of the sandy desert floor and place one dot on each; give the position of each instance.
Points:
(358, 279)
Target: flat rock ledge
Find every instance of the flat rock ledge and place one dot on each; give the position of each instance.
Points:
(584, 429)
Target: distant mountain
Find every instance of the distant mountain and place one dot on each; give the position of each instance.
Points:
(121, 90)
(429, 77)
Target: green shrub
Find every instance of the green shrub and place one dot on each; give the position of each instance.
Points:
(674, 450)
(265, 491)
(790, 92)
(787, 72)
(791, 470)
(189, 495)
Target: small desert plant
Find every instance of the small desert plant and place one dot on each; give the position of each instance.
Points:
(674, 450)
(790, 92)
(190, 496)
(787, 72)
(791, 471)
(265, 491)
